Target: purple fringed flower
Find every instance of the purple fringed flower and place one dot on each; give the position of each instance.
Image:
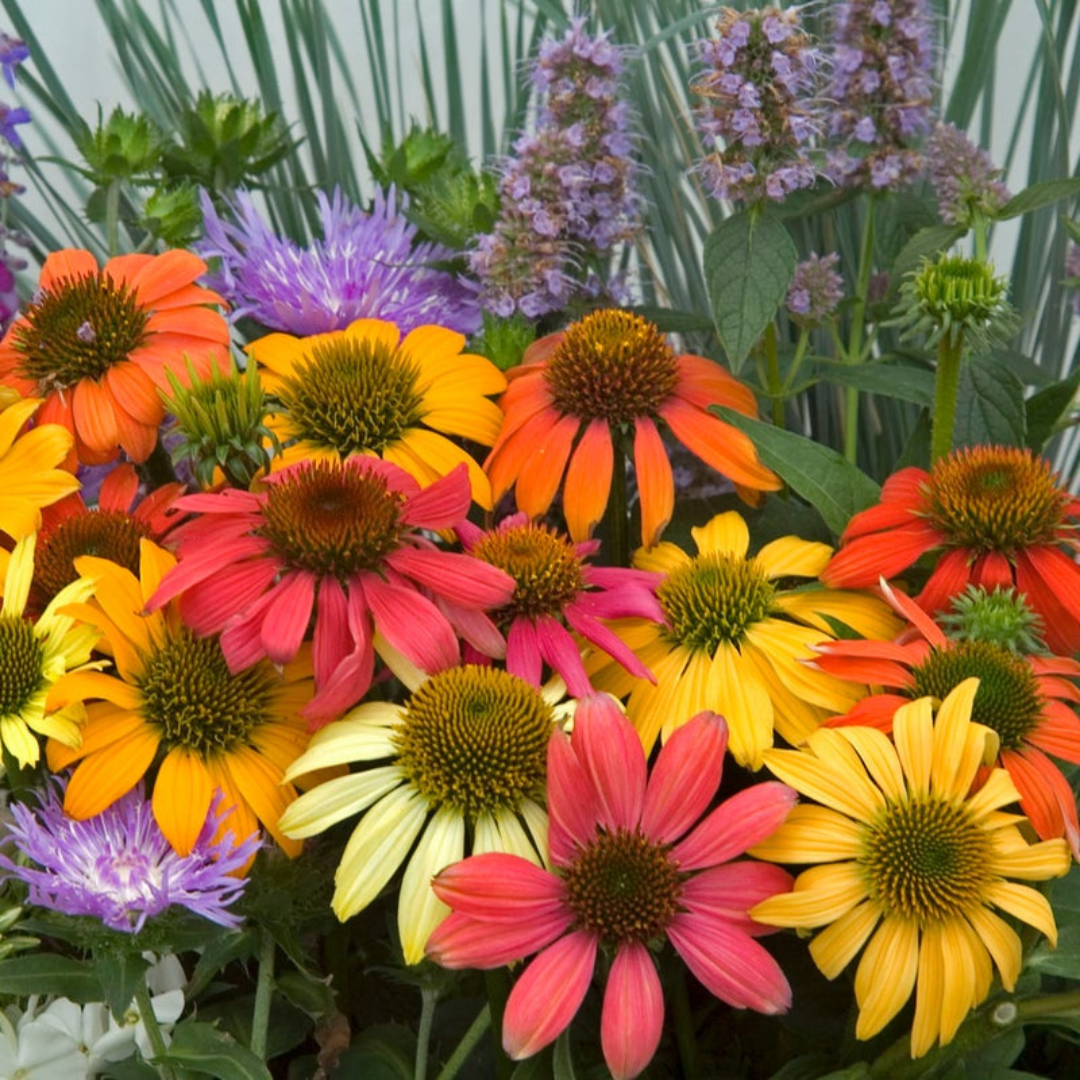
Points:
(13, 51)
(761, 111)
(965, 177)
(365, 266)
(118, 866)
(568, 194)
(816, 288)
(881, 89)
(1072, 271)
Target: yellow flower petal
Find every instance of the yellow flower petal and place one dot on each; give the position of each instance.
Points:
(725, 534)
(20, 572)
(791, 557)
(879, 756)
(950, 744)
(821, 895)
(886, 975)
(846, 790)
(837, 945)
(1025, 904)
(419, 909)
(812, 834)
(744, 702)
(662, 558)
(335, 800)
(1037, 862)
(1001, 941)
(342, 742)
(18, 742)
(929, 996)
(913, 737)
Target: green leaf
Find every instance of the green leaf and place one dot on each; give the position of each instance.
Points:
(990, 405)
(749, 261)
(1045, 409)
(901, 381)
(1038, 195)
(922, 245)
(562, 1062)
(818, 474)
(1064, 960)
(202, 1048)
(309, 994)
(60, 975)
(382, 1052)
(121, 974)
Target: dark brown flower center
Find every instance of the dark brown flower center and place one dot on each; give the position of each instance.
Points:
(21, 659)
(352, 396)
(475, 738)
(544, 565)
(995, 498)
(611, 365)
(332, 518)
(78, 329)
(623, 887)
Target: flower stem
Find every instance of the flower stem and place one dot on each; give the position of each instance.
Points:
(796, 363)
(1049, 1005)
(772, 374)
(467, 1045)
(684, 1027)
(858, 327)
(112, 216)
(264, 994)
(498, 990)
(153, 1030)
(946, 383)
(618, 514)
(429, 997)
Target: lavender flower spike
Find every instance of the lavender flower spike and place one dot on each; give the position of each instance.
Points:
(965, 178)
(118, 866)
(365, 265)
(816, 289)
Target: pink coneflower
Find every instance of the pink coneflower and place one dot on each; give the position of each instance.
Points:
(556, 591)
(339, 540)
(626, 874)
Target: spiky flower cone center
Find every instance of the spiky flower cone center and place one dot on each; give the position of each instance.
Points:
(611, 365)
(78, 329)
(623, 887)
(196, 702)
(544, 565)
(21, 659)
(352, 396)
(475, 739)
(925, 859)
(107, 534)
(332, 520)
(995, 499)
(713, 599)
(1008, 699)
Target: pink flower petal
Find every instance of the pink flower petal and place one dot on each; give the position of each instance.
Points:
(610, 752)
(475, 627)
(685, 778)
(208, 606)
(632, 1020)
(461, 579)
(736, 824)
(499, 887)
(217, 558)
(620, 601)
(728, 892)
(411, 623)
(571, 801)
(523, 657)
(331, 641)
(548, 994)
(606, 640)
(730, 964)
(440, 505)
(562, 655)
(287, 615)
(460, 941)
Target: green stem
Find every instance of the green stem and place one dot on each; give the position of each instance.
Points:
(946, 384)
(467, 1045)
(772, 374)
(618, 513)
(153, 1030)
(112, 216)
(264, 995)
(429, 997)
(685, 1036)
(1050, 1005)
(800, 354)
(980, 228)
(498, 990)
(858, 328)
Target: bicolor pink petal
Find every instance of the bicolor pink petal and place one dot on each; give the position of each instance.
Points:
(571, 801)
(620, 600)
(350, 679)
(610, 752)
(475, 627)
(604, 639)
(632, 1020)
(730, 964)
(500, 887)
(461, 579)
(728, 892)
(241, 640)
(208, 606)
(548, 994)
(193, 568)
(330, 644)
(411, 623)
(685, 778)
(287, 615)
(562, 655)
(736, 824)
(440, 505)
(229, 501)
(460, 941)
(523, 657)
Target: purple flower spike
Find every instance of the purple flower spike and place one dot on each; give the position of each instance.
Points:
(965, 178)
(118, 866)
(13, 51)
(816, 290)
(365, 266)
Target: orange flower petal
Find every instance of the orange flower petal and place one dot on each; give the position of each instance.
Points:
(69, 263)
(656, 485)
(182, 796)
(108, 775)
(542, 471)
(94, 416)
(588, 481)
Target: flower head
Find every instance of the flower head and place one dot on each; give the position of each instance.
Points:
(96, 343)
(340, 541)
(759, 86)
(10, 118)
(1001, 616)
(998, 517)
(366, 265)
(631, 865)
(913, 864)
(118, 866)
(881, 89)
(557, 593)
(610, 373)
(965, 178)
(465, 752)
(815, 291)
(13, 51)
(733, 638)
(368, 390)
(1026, 701)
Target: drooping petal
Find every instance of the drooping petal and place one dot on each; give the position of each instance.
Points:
(656, 484)
(632, 1019)
(588, 480)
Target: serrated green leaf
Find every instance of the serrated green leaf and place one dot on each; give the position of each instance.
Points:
(1045, 409)
(120, 975)
(26, 975)
(922, 245)
(990, 405)
(204, 1049)
(821, 476)
(905, 383)
(748, 264)
(1038, 195)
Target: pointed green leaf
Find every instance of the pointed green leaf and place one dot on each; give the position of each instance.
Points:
(901, 381)
(1047, 408)
(749, 260)
(818, 474)
(46, 974)
(202, 1048)
(121, 974)
(922, 245)
(1038, 195)
(990, 405)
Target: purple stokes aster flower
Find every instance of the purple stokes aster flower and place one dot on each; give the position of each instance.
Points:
(760, 110)
(568, 193)
(965, 177)
(365, 265)
(883, 64)
(13, 51)
(118, 866)
(816, 288)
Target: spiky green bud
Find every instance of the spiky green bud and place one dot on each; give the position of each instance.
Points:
(120, 148)
(1001, 617)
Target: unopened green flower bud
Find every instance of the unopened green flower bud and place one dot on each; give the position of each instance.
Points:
(120, 148)
(1001, 617)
